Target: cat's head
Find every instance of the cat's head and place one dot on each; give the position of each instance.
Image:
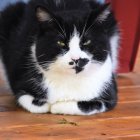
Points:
(74, 40)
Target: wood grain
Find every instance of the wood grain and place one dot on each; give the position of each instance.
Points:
(122, 123)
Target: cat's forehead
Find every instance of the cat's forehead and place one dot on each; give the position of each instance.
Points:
(74, 18)
(72, 13)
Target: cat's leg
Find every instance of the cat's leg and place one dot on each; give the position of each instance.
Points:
(33, 104)
(70, 107)
(106, 101)
(78, 108)
(82, 108)
(92, 107)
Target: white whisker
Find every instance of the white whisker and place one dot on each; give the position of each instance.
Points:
(90, 27)
(96, 62)
(41, 55)
(84, 29)
(106, 51)
(60, 27)
(61, 34)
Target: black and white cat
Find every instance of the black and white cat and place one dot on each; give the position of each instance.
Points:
(60, 56)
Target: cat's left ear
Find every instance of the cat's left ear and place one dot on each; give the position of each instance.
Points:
(43, 15)
(104, 13)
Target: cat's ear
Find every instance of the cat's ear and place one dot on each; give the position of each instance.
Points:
(99, 15)
(43, 15)
(104, 13)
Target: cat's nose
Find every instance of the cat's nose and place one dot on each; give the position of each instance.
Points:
(81, 62)
(75, 60)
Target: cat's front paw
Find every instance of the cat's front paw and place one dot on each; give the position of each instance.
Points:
(77, 108)
(69, 108)
(32, 105)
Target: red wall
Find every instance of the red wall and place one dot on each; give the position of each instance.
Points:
(127, 13)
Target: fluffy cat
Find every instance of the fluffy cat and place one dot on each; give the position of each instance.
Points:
(60, 56)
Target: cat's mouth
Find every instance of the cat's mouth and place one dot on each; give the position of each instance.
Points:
(78, 69)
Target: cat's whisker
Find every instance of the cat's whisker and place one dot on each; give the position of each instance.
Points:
(46, 62)
(29, 64)
(30, 67)
(96, 62)
(90, 27)
(61, 34)
(106, 101)
(65, 32)
(84, 29)
(106, 51)
(60, 27)
(31, 72)
(41, 55)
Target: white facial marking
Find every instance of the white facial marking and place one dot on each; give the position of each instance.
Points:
(74, 45)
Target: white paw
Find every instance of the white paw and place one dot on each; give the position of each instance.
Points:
(57, 108)
(26, 102)
(70, 108)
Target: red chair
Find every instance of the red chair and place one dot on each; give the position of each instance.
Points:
(127, 13)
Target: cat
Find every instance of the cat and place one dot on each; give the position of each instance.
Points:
(60, 56)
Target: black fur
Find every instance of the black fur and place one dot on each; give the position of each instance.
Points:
(20, 28)
(108, 98)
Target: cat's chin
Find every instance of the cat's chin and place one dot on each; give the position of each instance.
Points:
(72, 71)
(75, 71)
(78, 69)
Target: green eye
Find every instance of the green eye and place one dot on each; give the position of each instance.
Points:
(87, 43)
(60, 43)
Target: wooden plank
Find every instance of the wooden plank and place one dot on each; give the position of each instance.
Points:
(21, 117)
(130, 137)
(129, 80)
(100, 129)
(129, 94)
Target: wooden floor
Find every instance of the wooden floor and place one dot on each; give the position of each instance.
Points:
(123, 123)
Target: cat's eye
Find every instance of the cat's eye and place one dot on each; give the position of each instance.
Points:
(87, 43)
(61, 43)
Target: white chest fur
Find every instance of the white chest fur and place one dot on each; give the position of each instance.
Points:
(77, 87)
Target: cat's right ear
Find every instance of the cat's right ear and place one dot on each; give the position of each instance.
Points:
(43, 14)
